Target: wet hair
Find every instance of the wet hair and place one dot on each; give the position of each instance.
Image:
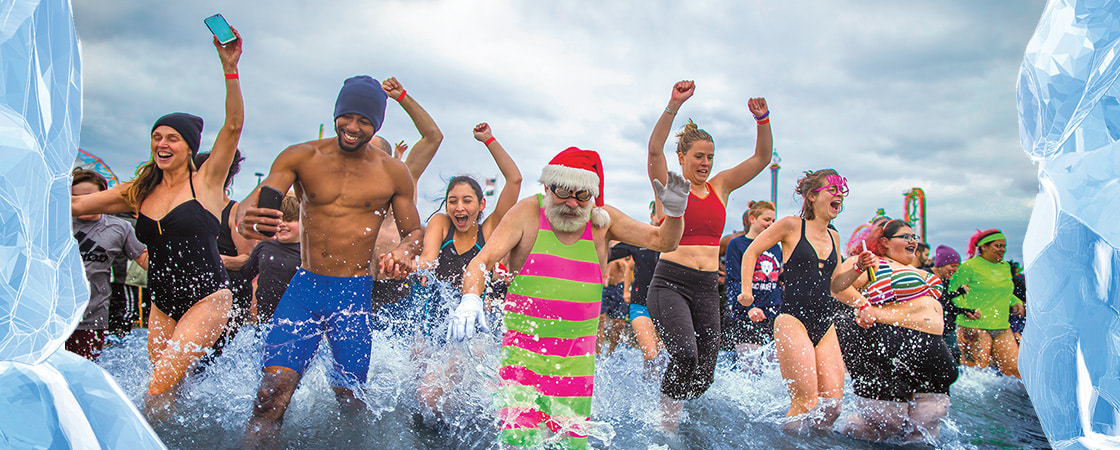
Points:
(807, 184)
(234, 167)
(455, 181)
(973, 242)
(887, 229)
(289, 207)
(691, 134)
(755, 209)
(89, 176)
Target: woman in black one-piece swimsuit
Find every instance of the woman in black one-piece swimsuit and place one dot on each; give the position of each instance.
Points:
(191, 298)
(451, 240)
(807, 348)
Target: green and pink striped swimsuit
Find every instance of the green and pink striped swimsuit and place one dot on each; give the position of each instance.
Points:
(548, 351)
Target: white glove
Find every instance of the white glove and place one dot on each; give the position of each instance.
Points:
(674, 196)
(466, 316)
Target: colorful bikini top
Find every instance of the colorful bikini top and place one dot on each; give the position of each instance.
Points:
(902, 284)
(704, 219)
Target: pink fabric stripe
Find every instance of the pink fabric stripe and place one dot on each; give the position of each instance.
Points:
(549, 346)
(515, 418)
(544, 265)
(552, 386)
(552, 309)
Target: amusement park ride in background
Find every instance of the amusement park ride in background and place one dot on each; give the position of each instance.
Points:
(913, 206)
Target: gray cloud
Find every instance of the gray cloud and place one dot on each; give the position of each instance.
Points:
(892, 95)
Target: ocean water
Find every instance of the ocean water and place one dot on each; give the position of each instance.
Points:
(743, 409)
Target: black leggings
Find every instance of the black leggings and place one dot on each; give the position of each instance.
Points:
(684, 305)
(893, 363)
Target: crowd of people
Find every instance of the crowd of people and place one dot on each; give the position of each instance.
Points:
(563, 271)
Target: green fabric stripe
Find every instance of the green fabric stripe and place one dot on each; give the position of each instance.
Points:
(559, 366)
(582, 250)
(556, 289)
(532, 437)
(553, 328)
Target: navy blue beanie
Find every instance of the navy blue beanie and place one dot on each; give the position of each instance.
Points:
(362, 95)
(189, 127)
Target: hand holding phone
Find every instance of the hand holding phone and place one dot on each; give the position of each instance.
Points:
(218, 25)
(269, 198)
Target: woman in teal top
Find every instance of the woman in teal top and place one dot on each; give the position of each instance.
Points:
(987, 280)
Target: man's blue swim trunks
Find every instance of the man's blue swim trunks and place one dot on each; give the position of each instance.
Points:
(314, 305)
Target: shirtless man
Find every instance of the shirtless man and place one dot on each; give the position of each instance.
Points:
(557, 245)
(344, 183)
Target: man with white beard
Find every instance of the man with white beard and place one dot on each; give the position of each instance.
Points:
(557, 244)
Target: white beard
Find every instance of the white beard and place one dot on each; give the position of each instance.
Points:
(561, 222)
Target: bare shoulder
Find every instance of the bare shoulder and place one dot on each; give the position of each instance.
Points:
(618, 218)
(296, 154)
(788, 224)
(526, 207)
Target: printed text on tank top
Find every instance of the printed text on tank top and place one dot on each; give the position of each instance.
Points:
(704, 218)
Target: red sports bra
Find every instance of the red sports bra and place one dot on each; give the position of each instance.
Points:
(704, 219)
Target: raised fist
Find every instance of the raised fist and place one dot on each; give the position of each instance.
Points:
(482, 132)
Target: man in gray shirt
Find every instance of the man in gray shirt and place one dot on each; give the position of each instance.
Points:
(100, 239)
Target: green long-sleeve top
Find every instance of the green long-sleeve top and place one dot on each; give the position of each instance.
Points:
(989, 291)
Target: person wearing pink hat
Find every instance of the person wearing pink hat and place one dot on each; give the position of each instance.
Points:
(557, 244)
(683, 298)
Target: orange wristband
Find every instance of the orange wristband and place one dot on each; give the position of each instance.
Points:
(401, 97)
(488, 141)
(764, 121)
(231, 76)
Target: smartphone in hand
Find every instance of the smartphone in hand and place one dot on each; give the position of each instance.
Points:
(218, 25)
(269, 198)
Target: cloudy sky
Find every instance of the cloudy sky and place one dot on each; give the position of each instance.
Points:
(894, 96)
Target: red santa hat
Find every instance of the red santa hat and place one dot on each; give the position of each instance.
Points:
(578, 169)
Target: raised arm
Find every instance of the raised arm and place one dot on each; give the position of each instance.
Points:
(673, 196)
(735, 177)
(251, 220)
(655, 159)
(430, 137)
(662, 238)
(215, 169)
(398, 263)
(510, 173)
(111, 201)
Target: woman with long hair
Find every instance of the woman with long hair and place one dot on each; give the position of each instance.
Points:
(452, 239)
(991, 293)
(805, 339)
(178, 206)
(683, 298)
(901, 367)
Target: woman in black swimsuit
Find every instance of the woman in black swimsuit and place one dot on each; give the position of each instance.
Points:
(178, 206)
(452, 239)
(807, 348)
